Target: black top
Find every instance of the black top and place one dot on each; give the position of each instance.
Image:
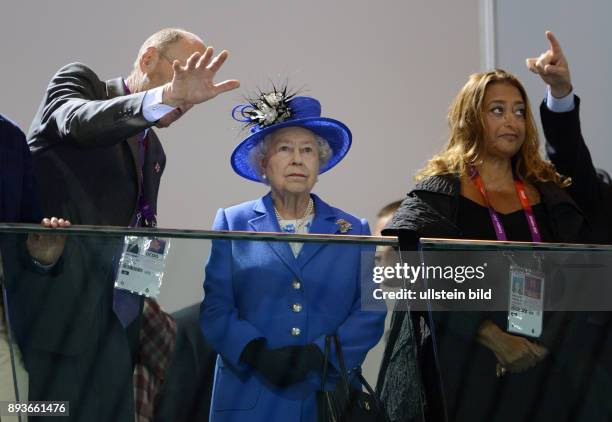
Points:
(459, 368)
(475, 223)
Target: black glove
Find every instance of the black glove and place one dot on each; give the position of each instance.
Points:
(308, 357)
(284, 366)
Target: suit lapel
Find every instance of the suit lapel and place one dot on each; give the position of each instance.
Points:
(134, 145)
(116, 88)
(323, 223)
(266, 222)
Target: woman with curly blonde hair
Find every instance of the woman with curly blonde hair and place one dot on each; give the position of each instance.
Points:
(489, 183)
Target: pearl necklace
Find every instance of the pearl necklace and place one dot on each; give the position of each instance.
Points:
(300, 222)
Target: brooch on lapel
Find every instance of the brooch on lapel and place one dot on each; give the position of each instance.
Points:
(344, 225)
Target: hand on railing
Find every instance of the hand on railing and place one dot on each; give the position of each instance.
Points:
(46, 249)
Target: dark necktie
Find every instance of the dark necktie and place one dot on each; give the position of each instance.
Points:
(126, 305)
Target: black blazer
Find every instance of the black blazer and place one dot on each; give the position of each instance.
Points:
(18, 197)
(430, 210)
(567, 150)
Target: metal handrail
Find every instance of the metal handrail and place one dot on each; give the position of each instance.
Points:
(446, 244)
(114, 231)
(426, 243)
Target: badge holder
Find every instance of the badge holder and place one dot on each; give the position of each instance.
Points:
(525, 298)
(142, 265)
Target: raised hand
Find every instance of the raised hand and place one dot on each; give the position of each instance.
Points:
(47, 248)
(194, 83)
(553, 68)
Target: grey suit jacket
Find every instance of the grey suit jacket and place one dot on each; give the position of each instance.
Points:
(85, 147)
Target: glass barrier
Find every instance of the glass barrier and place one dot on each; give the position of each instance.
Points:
(114, 324)
(106, 324)
(506, 331)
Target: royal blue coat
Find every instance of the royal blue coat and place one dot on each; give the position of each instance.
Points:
(251, 288)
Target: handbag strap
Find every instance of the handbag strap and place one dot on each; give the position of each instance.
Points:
(325, 363)
(344, 374)
(367, 386)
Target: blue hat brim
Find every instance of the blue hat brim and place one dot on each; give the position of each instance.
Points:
(336, 133)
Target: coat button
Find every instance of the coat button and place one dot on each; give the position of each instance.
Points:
(295, 332)
(296, 307)
(296, 285)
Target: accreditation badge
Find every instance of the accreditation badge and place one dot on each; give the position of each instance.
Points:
(142, 265)
(526, 301)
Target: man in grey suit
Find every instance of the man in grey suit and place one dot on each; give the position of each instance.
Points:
(94, 140)
(88, 134)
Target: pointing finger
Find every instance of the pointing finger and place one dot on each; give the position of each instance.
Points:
(554, 43)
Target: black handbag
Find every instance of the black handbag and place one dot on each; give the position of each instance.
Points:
(346, 403)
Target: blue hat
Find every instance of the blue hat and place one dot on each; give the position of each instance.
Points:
(276, 110)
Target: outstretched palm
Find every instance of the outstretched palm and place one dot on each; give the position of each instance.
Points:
(194, 82)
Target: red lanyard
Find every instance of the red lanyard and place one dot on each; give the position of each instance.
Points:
(500, 233)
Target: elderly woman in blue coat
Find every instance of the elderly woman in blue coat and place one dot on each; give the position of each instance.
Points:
(268, 306)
